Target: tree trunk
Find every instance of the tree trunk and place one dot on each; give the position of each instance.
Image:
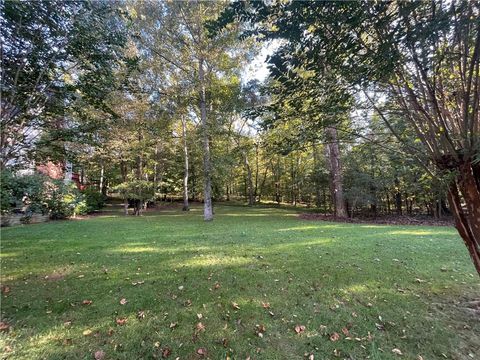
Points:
(123, 169)
(207, 184)
(185, 176)
(335, 173)
(316, 165)
(250, 191)
(102, 178)
(467, 221)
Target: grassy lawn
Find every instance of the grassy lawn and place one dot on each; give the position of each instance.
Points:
(378, 287)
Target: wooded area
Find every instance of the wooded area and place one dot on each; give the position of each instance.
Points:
(369, 108)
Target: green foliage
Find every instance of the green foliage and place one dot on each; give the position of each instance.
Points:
(136, 189)
(64, 200)
(94, 199)
(22, 191)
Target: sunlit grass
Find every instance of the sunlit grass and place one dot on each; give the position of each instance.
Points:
(389, 286)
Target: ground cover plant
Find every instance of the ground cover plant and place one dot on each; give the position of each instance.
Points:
(256, 283)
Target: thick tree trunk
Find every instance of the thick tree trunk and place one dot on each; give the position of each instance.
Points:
(467, 220)
(185, 175)
(207, 184)
(335, 173)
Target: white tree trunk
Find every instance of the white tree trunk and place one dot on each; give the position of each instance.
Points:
(185, 176)
(207, 184)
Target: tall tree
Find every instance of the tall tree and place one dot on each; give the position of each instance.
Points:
(423, 55)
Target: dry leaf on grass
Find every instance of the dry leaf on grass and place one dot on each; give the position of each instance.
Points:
(99, 355)
(299, 329)
(335, 337)
(121, 321)
(202, 351)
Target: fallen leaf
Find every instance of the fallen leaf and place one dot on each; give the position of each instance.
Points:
(123, 301)
(87, 302)
(166, 352)
(299, 329)
(202, 351)
(140, 315)
(266, 305)
(216, 286)
(5, 289)
(260, 330)
(121, 321)
(397, 351)
(200, 327)
(380, 327)
(345, 331)
(67, 342)
(67, 323)
(110, 332)
(271, 313)
(173, 325)
(180, 287)
(334, 337)
(235, 306)
(188, 302)
(199, 316)
(225, 342)
(87, 332)
(99, 355)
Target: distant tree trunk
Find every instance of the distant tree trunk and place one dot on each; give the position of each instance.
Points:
(102, 171)
(207, 185)
(249, 180)
(255, 192)
(335, 173)
(185, 176)
(123, 169)
(398, 197)
(316, 166)
(467, 221)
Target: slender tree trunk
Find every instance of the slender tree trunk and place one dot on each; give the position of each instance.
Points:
(207, 186)
(255, 192)
(335, 173)
(100, 187)
(249, 182)
(185, 176)
(123, 169)
(467, 221)
(316, 165)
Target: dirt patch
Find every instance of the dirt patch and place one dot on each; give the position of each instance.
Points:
(55, 276)
(384, 220)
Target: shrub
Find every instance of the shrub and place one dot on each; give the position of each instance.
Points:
(64, 200)
(20, 191)
(95, 200)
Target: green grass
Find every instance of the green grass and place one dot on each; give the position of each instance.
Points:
(325, 276)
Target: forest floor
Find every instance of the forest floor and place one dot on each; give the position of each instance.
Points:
(255, 283)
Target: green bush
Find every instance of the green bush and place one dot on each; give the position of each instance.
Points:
(95, 200)
(19, 191)
(64, 200)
